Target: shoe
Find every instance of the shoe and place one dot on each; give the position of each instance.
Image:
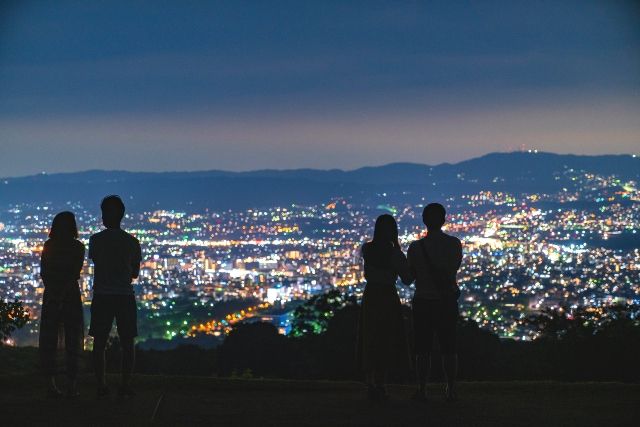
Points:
(419, 396)
(72, 393)
(372, 393)
(382, 392)
(126, 392)
(72, 389)
(53, 392)
(103, 391)
(450, 394)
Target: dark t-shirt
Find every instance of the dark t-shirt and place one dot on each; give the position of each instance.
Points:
(116, 257)
(445, 253)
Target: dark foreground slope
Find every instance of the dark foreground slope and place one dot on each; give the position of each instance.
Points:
(207, 401)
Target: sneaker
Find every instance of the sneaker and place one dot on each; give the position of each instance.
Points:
(53, 392)
(372, 393)
(126, 392)
(103, 391)
(72, 389)
(450, 394)
(72, 392)
(382, 393)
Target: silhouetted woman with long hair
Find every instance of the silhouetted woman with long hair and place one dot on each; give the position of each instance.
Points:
(382, 342)
(60, 265)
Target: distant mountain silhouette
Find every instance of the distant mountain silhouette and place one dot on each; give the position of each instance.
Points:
(516, 172)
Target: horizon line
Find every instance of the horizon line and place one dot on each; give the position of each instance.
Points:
(521, 151)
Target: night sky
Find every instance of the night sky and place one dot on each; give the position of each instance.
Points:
(238, 85)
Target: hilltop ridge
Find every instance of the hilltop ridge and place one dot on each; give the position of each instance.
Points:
(515, 172)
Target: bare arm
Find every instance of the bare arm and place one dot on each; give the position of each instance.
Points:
(91, 248)
(459, 261)
(137, 259)
(411, 261)
(402, 267)
(79, 261)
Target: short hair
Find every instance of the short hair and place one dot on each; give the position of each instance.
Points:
(64, 226)
(433, 215)
(112, 208)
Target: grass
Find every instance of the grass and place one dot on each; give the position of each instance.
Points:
(213, 401)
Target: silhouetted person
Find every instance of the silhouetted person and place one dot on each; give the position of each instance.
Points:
(381, 339)
(116, 257)
(435, 260)
(60, 265)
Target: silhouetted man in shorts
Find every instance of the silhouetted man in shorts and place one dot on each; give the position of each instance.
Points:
(116, 257)
(434, 261)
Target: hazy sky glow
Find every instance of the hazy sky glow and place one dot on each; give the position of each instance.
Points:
(247, 85)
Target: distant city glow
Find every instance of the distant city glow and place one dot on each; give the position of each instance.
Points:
(204, 272)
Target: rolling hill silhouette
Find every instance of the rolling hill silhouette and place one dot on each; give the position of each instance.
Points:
(516, 172)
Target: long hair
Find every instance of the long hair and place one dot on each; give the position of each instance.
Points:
(385, 235)
(385, 230)
(64, 226)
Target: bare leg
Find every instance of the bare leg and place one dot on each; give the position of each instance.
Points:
(73, 346)
(50, 378)
(128, 359)
(52, 388)
(51, 381)
(48, 344)
(380, 378)
(450, 367)
(369, 378)
(423, 367)
(99, 346)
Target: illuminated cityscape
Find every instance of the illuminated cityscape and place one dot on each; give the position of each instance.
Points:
(204, 271)
(228, 166)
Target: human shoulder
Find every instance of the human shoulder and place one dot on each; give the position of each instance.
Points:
(98, 236)
(130, 236)
(132, 241)
(415, 247)
(453, 239)
(454, 243)
(94, 244)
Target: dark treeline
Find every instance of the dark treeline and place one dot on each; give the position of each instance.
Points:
(588, 345)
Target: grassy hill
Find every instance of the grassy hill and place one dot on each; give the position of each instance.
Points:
(213, 401)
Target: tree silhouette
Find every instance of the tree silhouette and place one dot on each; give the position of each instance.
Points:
(599, 343)
(12, 316)
(584, 322)
(314, 315)
(254, 347)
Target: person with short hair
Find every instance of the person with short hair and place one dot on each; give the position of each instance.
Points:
(60, 265)
(434, 261)
(116, 256)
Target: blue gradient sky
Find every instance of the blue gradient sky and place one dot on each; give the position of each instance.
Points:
(244, 85)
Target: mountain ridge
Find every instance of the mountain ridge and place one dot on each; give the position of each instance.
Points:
(361, 168)
(515, 172)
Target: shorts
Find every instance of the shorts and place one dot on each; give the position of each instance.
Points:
(104, 308)
(434, 317)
